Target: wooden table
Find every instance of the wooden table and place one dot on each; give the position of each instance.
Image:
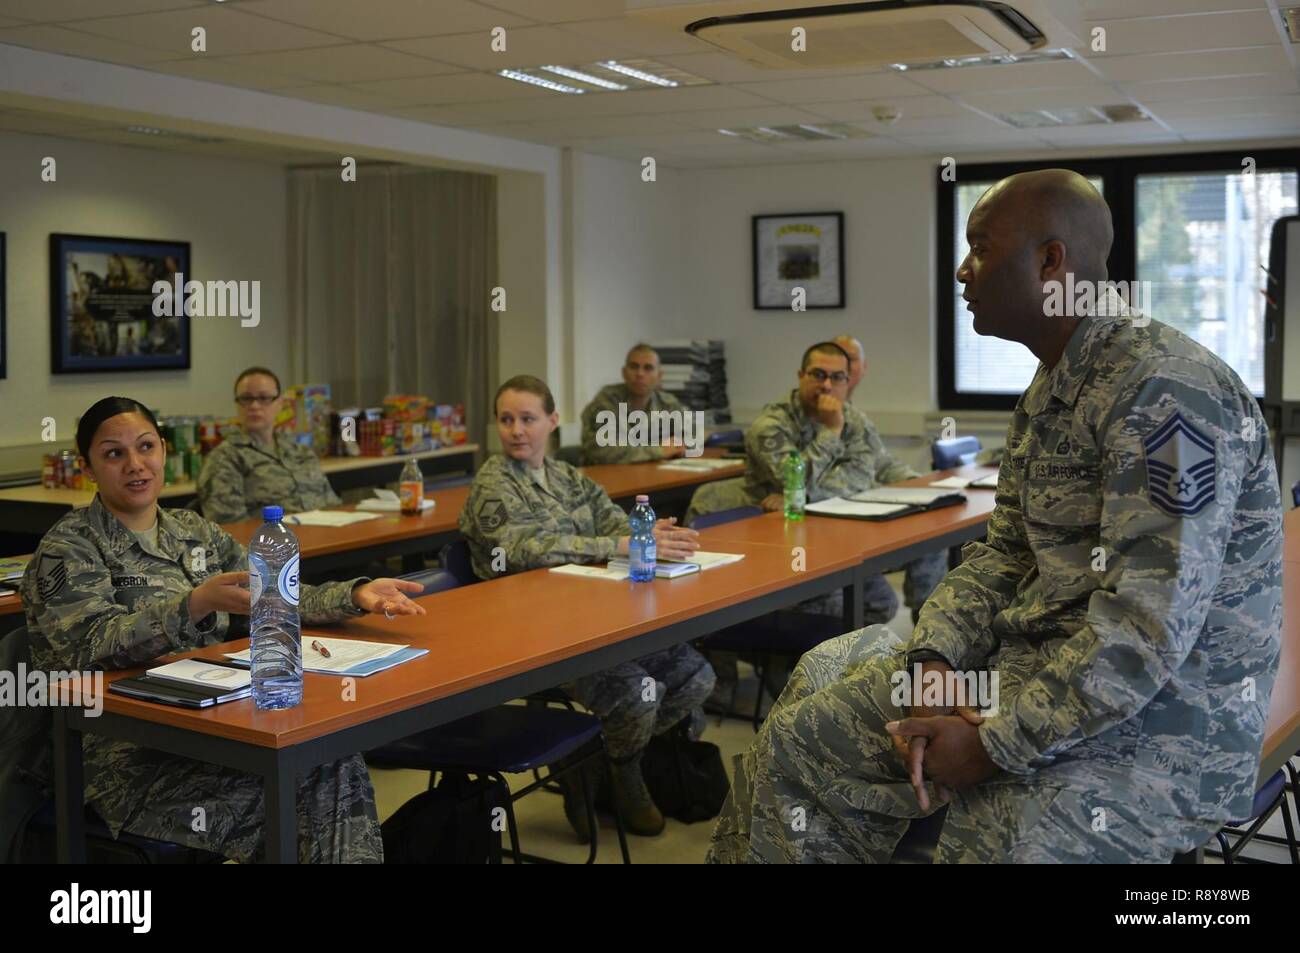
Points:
(34, 509)
(623, 481)
(489, 643)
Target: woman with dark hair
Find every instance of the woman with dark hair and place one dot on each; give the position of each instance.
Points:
(526, 511)
(255, 466)
(123, 582)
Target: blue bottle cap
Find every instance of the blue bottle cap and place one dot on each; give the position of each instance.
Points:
(273, 513)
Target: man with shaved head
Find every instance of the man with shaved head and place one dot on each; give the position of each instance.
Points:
(1125, 607)
(857, 360)
(642, 376)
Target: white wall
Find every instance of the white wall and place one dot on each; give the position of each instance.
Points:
(628, 261)
(888, 211)
(231, 212)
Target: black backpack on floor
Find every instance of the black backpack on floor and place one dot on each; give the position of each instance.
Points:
(452, 823)
(686, 778)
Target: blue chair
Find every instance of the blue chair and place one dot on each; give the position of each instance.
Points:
(946, 454)
(725, 438)
(782, 634)
(1295, 493)
(569, 455)
(1268, 799)
(509, 739)
(447, 482)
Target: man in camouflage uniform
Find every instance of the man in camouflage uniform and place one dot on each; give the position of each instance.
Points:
(842, 453)
(240, 476)
(519, 518)
(100, 596)
(1128, 595)
(642, 376)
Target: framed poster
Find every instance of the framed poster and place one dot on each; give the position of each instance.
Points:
(102, 305)
(799, 251)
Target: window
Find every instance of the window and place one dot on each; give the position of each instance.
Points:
(1195, 226)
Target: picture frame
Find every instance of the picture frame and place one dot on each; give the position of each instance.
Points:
(803, 249)
(102, 305)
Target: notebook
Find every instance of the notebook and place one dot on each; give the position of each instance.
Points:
(663, 569)
(329, 518)
(346, 656)
(189, 683)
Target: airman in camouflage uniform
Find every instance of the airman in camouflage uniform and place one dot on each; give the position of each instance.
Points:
(640, 390)
(571, 519)
(240, 476)
(1128, 595)
(99, 596)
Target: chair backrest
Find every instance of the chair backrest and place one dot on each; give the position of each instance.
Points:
(446, 483)
(724, 438)
(455, 560)
(25, 748)
(433, 580)
(705, 520)
(1295, 493)
(946, 454)
(569, 455)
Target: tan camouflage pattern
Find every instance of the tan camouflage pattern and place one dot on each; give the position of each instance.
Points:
(608, 398)
(1140, 686)
(239, 478)
(97, 599)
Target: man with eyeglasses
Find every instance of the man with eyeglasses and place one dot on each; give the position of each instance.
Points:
(255, 466)
(843, 454)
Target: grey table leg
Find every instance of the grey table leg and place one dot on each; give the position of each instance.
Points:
(69, 791)
(853, 602)
(281, 795)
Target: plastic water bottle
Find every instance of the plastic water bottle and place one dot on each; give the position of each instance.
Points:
(641, 547)
(274, 625)
(795, 493)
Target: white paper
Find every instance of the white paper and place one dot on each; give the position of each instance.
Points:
(699, 463)
(989, 482)
(711, 560)
(592, 572)
(329, 518)
(952, 483)
(344, 653)
(904, 495)
(197, 672)
(392, 506)
(836, 506)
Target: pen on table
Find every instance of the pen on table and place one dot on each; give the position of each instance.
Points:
(320, 648)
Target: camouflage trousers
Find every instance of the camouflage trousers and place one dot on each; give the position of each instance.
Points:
(822, 783)
(166, 797)
(639, 699)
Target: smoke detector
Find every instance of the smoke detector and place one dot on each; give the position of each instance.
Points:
(841, 34)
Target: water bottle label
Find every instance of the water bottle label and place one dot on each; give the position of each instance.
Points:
(288, 581)
(258, 572)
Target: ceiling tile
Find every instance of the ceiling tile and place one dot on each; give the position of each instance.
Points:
(747, 117)
(1122, 9)
(672, 102)
(636, 36)
(1060, 98)
(610, 127)
(1271, 126)
(54, 11)
(1280, 105)
(1202, 31)
(457, 88)
(722, 68)
(228, 32)
(57, 39)
(387, 20)
(1219, 88)
(1117, 134)
(969, 79)
(911, 107)
(862, 86)
(352, 63)
(525, 46)
(560, 11)
(1146, 67)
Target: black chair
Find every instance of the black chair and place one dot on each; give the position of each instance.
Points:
(447, 482)
(726, 438)
(946, 454)
(1268, 800)
(508, 739)
(569, 455)
(785, 634)
(1295, 494)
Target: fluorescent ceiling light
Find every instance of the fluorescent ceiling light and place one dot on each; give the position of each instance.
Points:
(637, 74)
(583, 77)
(523, 77)
(994, 59)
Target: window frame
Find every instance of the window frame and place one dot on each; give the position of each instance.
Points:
(1119, 175)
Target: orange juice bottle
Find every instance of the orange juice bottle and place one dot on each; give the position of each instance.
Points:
(411, 489)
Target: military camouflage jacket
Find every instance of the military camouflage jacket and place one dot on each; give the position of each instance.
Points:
(1129, 589)
(96, 599)
(572, 521)
(836, 464)
(608, 399)
(239, 478)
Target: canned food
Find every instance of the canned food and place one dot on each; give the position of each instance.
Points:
(67, 468)
(49, 464)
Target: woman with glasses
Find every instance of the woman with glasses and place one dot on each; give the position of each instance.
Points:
(255, 466)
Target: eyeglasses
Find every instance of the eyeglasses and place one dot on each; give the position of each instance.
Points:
(248, 400)
(820, 376)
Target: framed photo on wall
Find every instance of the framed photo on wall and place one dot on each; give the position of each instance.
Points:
(799, 251)
(102, 305)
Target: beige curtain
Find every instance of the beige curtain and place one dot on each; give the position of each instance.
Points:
(390, 284)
